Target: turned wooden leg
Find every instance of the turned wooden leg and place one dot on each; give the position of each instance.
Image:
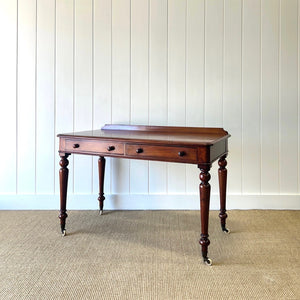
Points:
(101, 169)
(222, 187)
(63, 182)
(204, 188)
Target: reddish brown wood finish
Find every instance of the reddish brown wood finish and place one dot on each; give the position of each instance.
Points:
(222, 187)
(178, 154)
(101, 169)
(204, 189)
(63, 182)
(162, 129)
(82, 145)
(193, 145)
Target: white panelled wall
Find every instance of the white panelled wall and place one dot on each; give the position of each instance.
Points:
(71, 65)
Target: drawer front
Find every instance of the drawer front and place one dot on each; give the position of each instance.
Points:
(167, 153)
(93, 146)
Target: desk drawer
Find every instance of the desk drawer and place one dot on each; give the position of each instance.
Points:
(93, 146)
(167, 153)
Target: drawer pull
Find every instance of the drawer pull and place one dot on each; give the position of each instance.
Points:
(181, 153)
(139, 150)
(76, 146)
(111, 148)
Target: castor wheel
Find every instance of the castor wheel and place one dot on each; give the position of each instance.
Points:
(63, 233)
(225, 230)
(207, 261)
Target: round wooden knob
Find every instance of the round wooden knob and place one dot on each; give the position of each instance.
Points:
(76, 146)
(110, 148)
(139, 150)
(181, 153)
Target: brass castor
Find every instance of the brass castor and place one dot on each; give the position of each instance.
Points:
(207, 261)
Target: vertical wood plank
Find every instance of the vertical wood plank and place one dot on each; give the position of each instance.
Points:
(45, 105)
(288, 117)
(176, 62)
(8, 103)
(120, 85)
(102, 80)
(213, 63)
(158, 92)
(269, 96)
(298, 96)
(251, 87)
(64, 80)
(214, 34)
(158, 58)
(195, 63)
(83, 113)
(26, 96)
(232, 90)
(194, 79)
(139, 86)
(176, 84)
(139, 61)
(121, 61)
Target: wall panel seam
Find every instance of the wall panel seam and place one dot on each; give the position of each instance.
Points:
(74, 71)
(242, 98)
(260, 106)
(279, 99)
(241, 109)
(167, 81)
(148, 186)
(185, 57)
(35, 97)
(17, 94)
(54, 95)
(130, 82)
(93, 84)
(130, 73)
(298, 64)
(204, 61)
(111, 84)
(223, 63)
(185, 80)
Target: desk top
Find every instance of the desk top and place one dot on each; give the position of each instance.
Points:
(199, 136)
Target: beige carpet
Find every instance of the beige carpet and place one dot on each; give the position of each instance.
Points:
(148, 255)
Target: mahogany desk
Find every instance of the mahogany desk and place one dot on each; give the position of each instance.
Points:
(189, 145)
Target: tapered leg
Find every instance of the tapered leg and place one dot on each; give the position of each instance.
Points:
(222, 187)
(63, 182)
(204, 188)
(101, 169)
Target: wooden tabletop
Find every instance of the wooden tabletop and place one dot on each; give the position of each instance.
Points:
(198, 136)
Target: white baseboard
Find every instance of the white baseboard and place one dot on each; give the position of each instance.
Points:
(151, 202)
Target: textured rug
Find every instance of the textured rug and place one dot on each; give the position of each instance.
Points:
(148, 255)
